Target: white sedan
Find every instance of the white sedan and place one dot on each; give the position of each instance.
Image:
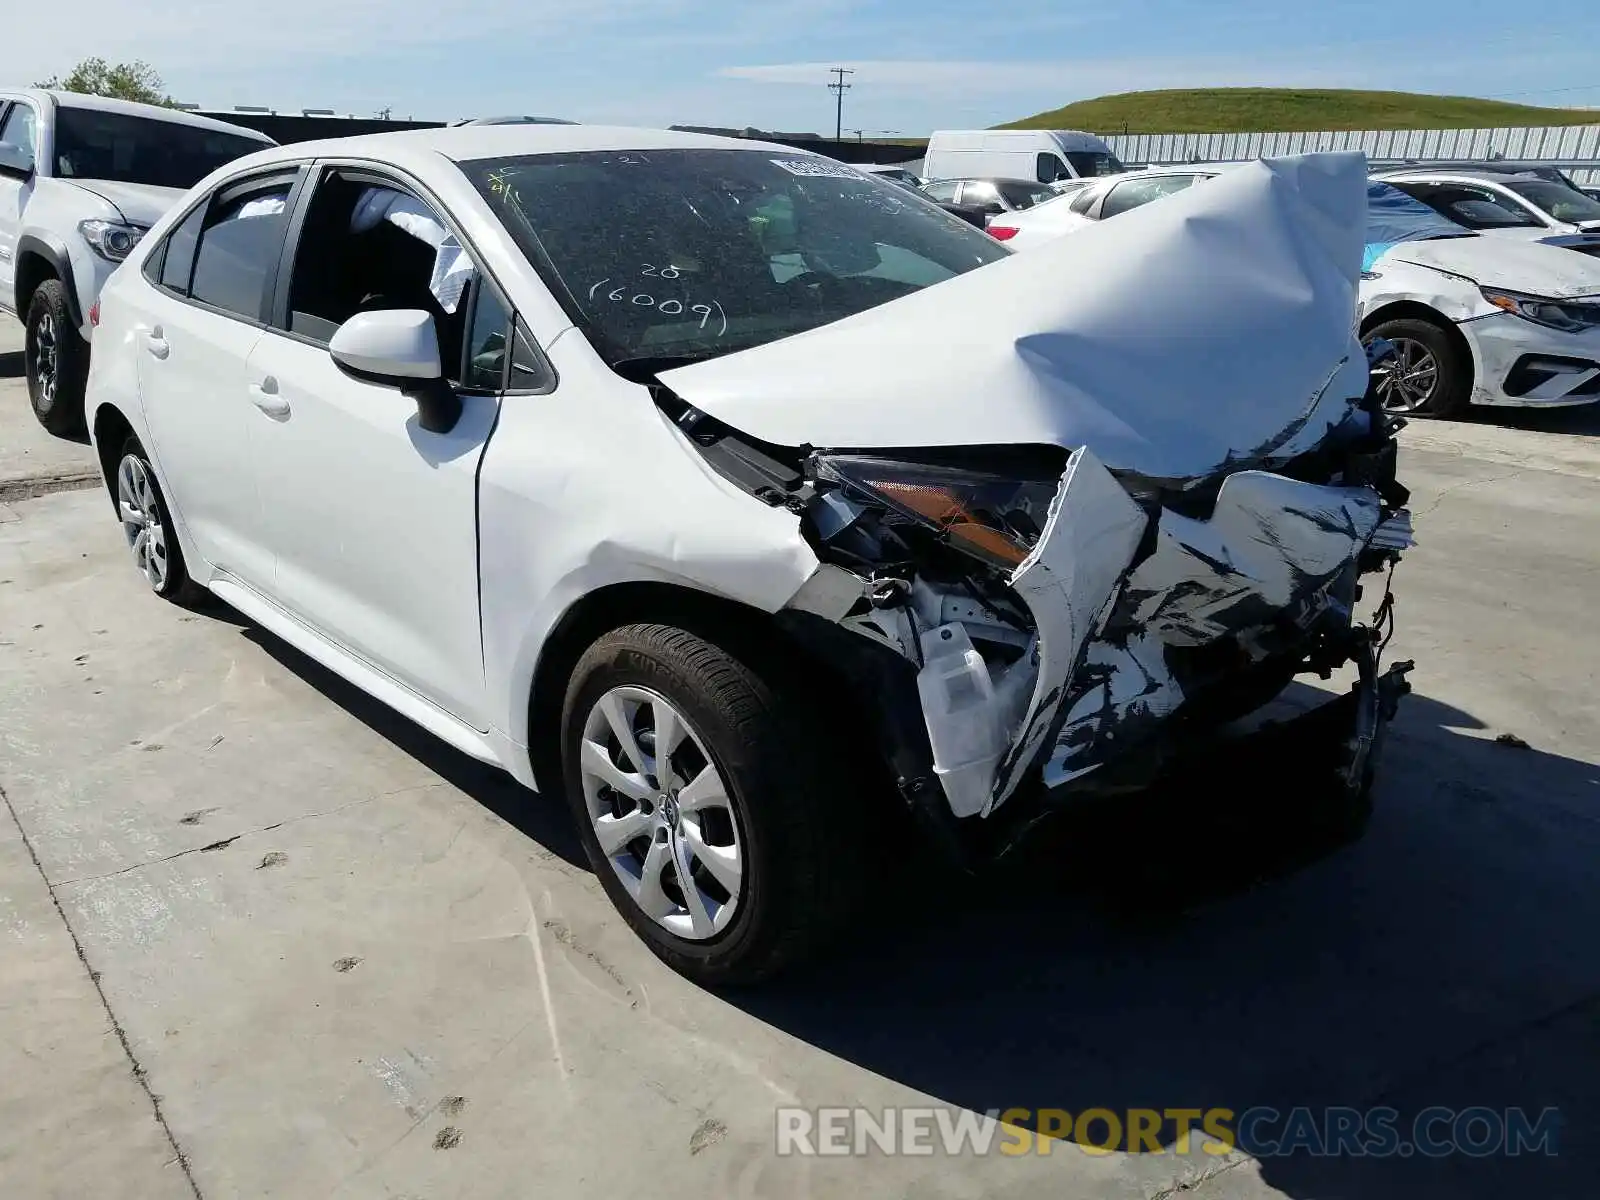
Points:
(1530, 205)
(1473, 319)
(715, 487)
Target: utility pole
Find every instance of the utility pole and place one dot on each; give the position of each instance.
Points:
(839, 87)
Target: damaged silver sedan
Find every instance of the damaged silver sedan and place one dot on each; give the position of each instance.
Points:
(712, 485)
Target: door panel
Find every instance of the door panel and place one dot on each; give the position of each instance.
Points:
(372, 519)
(193, 385)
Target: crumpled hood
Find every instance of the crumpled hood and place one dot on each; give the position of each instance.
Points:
(1535, 268)
(1215, 327)
(139, 203)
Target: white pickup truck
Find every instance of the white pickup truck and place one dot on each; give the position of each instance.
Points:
(81, 179)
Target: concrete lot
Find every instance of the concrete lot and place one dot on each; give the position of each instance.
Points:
(259, 937)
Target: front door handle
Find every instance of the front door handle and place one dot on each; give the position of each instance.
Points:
(264, 395)
(156, 342)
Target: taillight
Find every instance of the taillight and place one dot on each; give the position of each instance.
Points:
(94, 313)
(1002, 233)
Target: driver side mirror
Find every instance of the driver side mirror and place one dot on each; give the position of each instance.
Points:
(399, 347)
(993, 208)
(16, 161)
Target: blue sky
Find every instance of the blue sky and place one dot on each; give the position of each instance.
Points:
(920, 64)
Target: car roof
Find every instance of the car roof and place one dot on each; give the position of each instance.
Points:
(989, 179)
(134, 109)
(1525, 173)
(1498, 166)
(420, 148)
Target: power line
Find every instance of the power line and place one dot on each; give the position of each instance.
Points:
(839, 87)
(1582, 87)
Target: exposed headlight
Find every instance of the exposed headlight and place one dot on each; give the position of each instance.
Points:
(111, 240)
(993, 518)
(1553, 314)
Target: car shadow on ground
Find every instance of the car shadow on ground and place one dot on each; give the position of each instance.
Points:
(1189, 949)
(12, 365)
(1579, 421)
(545, 819)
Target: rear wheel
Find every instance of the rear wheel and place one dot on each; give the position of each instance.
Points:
(706, 805)
(56, 360)
(147, 525)
(1429, 375)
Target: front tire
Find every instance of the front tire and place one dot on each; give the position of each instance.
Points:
(706, 804)
(1430, 374)
(147, 526)
(56, 360)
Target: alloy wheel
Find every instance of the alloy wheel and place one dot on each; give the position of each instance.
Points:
(661, 812)
(1408, 380)
(46, 358)
(142, 520)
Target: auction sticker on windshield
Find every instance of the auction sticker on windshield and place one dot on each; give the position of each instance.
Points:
(817, 168)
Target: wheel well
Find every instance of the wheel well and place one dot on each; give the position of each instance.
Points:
(1410, 310)
(32, 270)
(736, 627)
(111, 431)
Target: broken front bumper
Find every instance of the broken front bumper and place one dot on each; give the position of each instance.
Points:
(1139, 619)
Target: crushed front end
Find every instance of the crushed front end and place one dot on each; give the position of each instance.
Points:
(1160, 531)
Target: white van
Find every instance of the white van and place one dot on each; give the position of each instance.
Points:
(1045, 155)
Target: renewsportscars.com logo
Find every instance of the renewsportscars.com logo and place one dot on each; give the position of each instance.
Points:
(1261, 1132)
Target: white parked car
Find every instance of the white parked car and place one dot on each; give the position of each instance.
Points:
(619, 458)
(1530, 205)
(1080, 207)
(81, 179)
(1474, 319)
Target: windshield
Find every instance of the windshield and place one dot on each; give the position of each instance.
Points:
(687, 254)
(1561, 202)
(1471, 206)
(1393, 216)
(90, 144)
(1094, 162)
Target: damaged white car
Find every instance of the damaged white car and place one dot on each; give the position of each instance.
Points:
(710, 483)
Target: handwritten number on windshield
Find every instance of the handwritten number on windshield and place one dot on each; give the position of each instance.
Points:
(667, 308)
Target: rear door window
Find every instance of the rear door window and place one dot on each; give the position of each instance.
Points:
(240, 244)
(944, 191)
(1135, 193)
(178, 263)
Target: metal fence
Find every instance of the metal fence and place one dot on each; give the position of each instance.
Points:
(1577, 147)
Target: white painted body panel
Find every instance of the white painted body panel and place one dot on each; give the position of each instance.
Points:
(372, 520)
(592, 486)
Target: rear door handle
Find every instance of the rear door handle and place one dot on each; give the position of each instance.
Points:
(155, 341)
(264, 395)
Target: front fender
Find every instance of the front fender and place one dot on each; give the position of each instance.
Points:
(591, 486)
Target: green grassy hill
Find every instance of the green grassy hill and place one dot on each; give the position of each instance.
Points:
(1229, 110)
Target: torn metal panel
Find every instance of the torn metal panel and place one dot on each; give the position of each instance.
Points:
(1269, 542)
(1093, 530)
(1271, 554)
(1103, 339)
(1130, 690)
